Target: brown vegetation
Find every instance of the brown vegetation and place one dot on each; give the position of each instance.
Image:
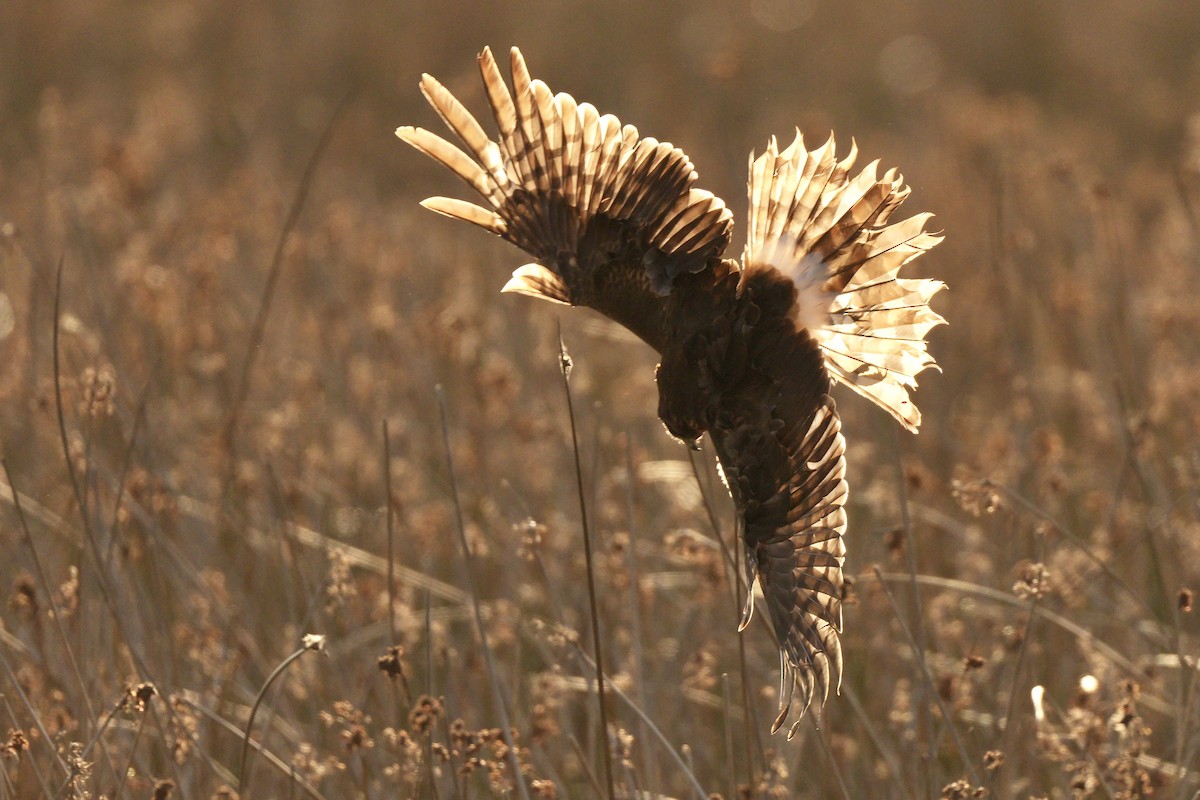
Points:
(170, 543)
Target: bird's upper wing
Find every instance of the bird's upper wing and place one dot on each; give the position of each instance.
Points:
(828, 232)
(610, 218)
(782, 455)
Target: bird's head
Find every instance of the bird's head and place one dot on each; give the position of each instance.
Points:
(682, 406)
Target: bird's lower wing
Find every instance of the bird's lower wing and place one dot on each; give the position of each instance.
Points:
(786, 472)
(579, 191)
(827, 230)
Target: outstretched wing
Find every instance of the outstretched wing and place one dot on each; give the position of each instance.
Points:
(782, 455)
(829, 233)
(610, 218)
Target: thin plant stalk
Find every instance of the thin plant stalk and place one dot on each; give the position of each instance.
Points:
(89, 534)
(258, 328)
(37, 771)
(1153, 490)
(564, 361)
(45, 581)
(137, 737)
(99, 733)
(968, 763)
(633, 705)
(468, 558)
(1078, 542)
(682, 760)
(1009, 727)
(126, 462)
(731, 764)
(7, 789)
(910, 557)
(391, 535)
(455, 762)
(102, 577)
(1080, 633)
(888, 754)
(582, 758)
(733, 561)
(311, 643)
(1022, 652)
(635, 603)
(430, 688)
(1185, 717)
(162, 738)
(224, 774)
(833, 765)
(1099, 770)
(79, 498)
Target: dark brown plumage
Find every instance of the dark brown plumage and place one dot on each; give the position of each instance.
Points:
(749, 350)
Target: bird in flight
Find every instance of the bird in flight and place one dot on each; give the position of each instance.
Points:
(749, 349)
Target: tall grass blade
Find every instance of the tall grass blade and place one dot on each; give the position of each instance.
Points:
(481, 629)
(564, 362)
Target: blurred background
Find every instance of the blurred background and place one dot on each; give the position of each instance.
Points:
(216, 487)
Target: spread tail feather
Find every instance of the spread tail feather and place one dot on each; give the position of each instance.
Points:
(828, 231)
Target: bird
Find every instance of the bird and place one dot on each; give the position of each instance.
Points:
(749, 348)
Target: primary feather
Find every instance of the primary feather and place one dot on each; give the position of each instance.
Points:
(749, 350)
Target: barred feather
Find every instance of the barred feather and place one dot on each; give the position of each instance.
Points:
(829, 232)
(557, 166)
(467, 212)
(794, 523)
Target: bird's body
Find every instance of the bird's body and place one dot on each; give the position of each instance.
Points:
(749, 350)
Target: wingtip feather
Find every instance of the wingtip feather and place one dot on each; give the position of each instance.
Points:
(467, 212)
(535, 280)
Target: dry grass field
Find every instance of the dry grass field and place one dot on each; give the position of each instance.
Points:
(196, 474)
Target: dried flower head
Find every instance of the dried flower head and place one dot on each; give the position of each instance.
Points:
(340, 584)
(977, 497)
(15, 745)
(424, 714)
(962, 789)
(533, 534)
(543, 724)
(80, 769)
(23, 599)
(391, 663)
(1033, 580)
(356, 738)
(99, 391)
(312, 765)
(138, 697)
(556, 634)
(68, 591)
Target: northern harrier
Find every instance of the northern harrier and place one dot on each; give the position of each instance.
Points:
(749, 349)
